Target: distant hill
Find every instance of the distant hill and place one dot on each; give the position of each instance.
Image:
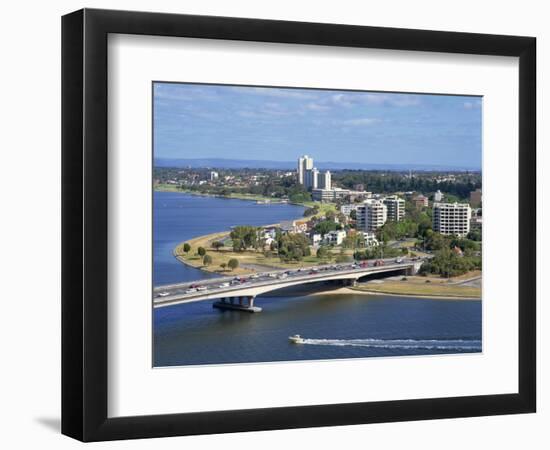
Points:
(222, 163)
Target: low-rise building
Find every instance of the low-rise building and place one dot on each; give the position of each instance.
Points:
(335, 237)
(452, 218)
(438, 196)
(420, 201)
(293, 226)
(370, 239)
(316, 239)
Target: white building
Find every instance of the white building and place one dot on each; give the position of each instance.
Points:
(452, 218)
(329, 195)
(335, 237)
(316, 239)
(324, 180)
(304, 163)
(371, 215)
(310, 178)
(214, 176)
(370, 239)
(347, 209)
(396, 207)
(438, 196)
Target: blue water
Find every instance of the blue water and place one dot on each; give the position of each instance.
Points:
(335, 326)
(179, 217)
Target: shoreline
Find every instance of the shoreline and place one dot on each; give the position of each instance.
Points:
(395, 294)
(207, 239)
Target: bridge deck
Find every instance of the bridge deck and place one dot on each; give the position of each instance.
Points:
(261, 283)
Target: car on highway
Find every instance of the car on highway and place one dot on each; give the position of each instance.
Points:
(163, 294)
(398, 260)
(190, 291)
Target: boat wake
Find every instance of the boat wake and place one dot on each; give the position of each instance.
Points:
(420, 344)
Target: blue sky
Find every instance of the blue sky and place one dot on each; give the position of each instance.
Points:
(215, 121)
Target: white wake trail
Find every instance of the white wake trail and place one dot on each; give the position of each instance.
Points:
(425, 344)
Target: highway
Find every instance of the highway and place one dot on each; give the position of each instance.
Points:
(257, 283)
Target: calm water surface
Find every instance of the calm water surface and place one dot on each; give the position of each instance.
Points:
(335, 326)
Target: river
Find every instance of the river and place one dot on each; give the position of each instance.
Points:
(335, 325)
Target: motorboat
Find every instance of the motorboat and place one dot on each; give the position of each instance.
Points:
(296, 339)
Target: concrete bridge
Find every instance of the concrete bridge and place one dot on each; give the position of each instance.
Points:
(239, 293)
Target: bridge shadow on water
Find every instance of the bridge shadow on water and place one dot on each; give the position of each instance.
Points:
(326, 287)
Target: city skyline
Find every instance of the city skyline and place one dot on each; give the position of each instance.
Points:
(255, 123)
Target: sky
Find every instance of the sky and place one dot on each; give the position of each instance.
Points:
(278, 124)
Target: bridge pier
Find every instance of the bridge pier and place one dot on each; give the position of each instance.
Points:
(242, 303)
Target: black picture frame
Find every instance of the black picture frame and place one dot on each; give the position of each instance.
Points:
(84, 224)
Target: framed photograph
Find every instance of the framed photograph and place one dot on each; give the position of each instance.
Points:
(273, 224)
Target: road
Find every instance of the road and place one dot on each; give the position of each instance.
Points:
(198, 290)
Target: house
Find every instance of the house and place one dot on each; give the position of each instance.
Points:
(335, 237)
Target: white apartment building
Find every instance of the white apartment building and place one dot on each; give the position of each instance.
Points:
(452, 218)
(438, 196)
(396, 207)
(371, 215)
(324, 180)
(304, 163)
(214, 176)
(310, 178)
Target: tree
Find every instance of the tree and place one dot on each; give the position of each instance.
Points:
(201, 251)
(216, 245)
(186, 247)
(323, 252)
(293, 247)
(207, 260)
(245, 236)
(233, 263)
(325, 226)
(223, 266)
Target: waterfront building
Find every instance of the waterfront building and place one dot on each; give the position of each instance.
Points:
(452, 218)
(305, 163)
(214, 176)
(396, 207)
(420, 201)
(438, 196)
(371, 215)
(475, 198)
(335, 237)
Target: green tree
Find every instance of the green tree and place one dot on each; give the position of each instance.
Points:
(325, 226)
(223, 266)
(323, 252)
(201, 251)
(207, 260)
(233, 263)
(216, 245)
(186, 247)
